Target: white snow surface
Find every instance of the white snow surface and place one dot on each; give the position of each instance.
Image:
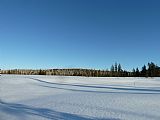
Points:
(33, 97)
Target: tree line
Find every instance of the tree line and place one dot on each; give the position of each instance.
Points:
(151, 70)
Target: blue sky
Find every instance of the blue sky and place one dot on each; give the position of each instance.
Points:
(79, 33)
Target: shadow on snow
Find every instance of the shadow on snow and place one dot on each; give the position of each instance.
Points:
(130, 90)
(21, 111)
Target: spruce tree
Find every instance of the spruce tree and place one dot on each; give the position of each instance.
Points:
(119, 70)
(133, 72)
(137, 72)
(144, 71)
(112, 71)
(151, 69)
(115, 67)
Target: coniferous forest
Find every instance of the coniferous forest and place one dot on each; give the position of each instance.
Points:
(116, 70)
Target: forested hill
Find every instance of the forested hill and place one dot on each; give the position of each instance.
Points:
(151, 70)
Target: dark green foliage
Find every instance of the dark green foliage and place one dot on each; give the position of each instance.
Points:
(115, 67)
(42, 72)
(133, 72)
(144, 72)
(120, 71)
(137, 72)
(119, 68)
(112, 68)
(151, 69)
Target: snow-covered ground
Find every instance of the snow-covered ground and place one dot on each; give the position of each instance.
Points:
(24, 97)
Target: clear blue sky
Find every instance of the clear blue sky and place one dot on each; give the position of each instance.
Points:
(79, 33)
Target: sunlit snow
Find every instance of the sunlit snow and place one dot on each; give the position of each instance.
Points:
(24, 97)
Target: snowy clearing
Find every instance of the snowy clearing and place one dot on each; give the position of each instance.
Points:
(26, 97)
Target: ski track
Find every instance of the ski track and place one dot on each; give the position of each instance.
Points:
(34, 97)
